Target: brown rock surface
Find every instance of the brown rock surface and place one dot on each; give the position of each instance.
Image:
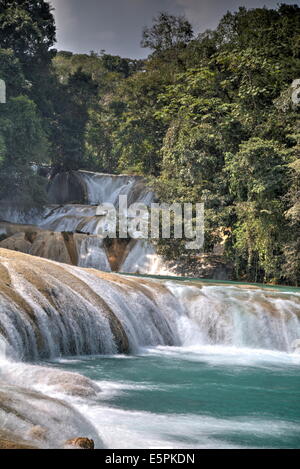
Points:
(7, 444)
(80, 443)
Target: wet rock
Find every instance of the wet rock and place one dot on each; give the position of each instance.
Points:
(17, 242)
(80, 443)
(7, 444)
(37, 433)
(30, 419)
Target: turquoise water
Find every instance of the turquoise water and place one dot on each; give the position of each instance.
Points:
(205, 397)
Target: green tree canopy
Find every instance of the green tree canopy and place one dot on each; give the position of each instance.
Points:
(168, 31)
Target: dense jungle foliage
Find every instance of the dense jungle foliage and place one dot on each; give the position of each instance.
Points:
(206, 117)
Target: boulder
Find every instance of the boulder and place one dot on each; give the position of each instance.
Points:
(80, 443)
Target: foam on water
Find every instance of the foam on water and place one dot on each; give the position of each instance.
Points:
(175, 380)
(121, 429)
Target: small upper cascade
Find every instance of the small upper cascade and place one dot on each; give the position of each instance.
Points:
(97, 188)
(68, 230)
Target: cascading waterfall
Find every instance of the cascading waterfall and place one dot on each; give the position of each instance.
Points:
(77, 196)
(107, 189)
(104, 188)
(233, 316)
(141, 259)
(50, 310)
(63, 310)
(92, 254)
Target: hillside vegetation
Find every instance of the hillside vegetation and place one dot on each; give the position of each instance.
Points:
(205, 117)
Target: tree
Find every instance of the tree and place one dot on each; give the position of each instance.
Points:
(167, 32)
(11, 72)
(122, 66)
(292, 246)
(24, 144)
(71, 102)
(257, 172)
(258, 181)
(274, 33)
(98, 145)
(27, 27)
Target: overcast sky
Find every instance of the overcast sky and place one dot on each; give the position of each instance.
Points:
(116, 25)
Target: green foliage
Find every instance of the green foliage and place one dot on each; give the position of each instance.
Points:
(27, 27)
(167, 32)
(23, 144)
(205, 119)
(292, 245)
(27, 32)
(98, 145)
(11, 72)
(259, 235)
(257, 172)
(230, 141)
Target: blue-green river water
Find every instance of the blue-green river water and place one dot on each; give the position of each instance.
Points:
(194, 397)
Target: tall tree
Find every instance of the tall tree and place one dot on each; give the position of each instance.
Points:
(27, 27)
(24, 144)
(168, 31)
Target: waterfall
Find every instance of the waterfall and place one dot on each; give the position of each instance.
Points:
(96, 188)
(142, 259)
(74, 199)
(93, 254)
(50, 310)
(105, 188)
(239, 317)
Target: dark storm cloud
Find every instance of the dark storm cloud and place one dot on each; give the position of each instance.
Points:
(116, 25)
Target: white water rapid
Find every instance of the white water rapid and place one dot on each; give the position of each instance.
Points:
(74, 201)
(51, 310)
